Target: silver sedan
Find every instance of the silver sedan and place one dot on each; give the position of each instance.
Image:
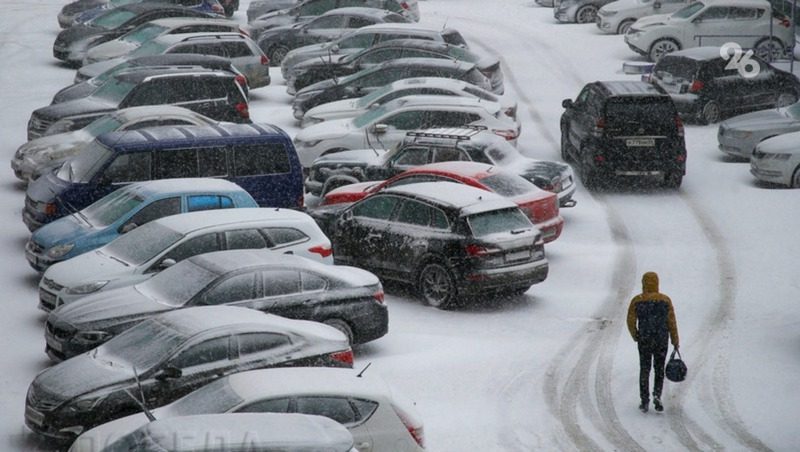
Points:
(739, 135)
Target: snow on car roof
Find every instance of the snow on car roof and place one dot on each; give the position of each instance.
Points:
(249, 431)
(146, 111)
(184, 185)
(193, 221)
(462, 168)
(172, 22)
(282, 381)
(697, 53)
(179, 37)
(358, 10)
(463, 197)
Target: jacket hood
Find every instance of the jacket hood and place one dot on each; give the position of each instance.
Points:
(650, 282)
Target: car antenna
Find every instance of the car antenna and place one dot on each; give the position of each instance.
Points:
(147, 412)
(70, 207)
(444, 25)
(364, 369)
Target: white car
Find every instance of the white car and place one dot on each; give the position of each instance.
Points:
(52, 150)
(139, 254)
(712, 23)
(777, 160)
(378, 417)
(385, 126)
(350, 108)
(131, 41)
(616, 17)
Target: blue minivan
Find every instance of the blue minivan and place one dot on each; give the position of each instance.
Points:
(260, 158)
(125, 209)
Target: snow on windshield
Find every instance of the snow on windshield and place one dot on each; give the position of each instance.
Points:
(143, 243)
(144, 345)
(162, 287)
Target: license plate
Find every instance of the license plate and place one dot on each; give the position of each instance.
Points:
(31, 258)
(518, 256)
(47, 297)
(52, 343)
(640, 142)
(33, 416)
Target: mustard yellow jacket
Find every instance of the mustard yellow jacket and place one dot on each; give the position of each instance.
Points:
(651, 315)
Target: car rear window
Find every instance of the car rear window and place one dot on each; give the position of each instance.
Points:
(505, 184)
(453, 37)
(654, 113)
(498, 221)
(676, 67)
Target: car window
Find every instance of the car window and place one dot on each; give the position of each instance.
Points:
(738, 13)
(237, 49)
(156, 210)
(285, 236)
(208, 202)
(364, 408)
(176, 163)
(316, 8)
(478, 155)
(210, 351)
(413, 212)
(359, 41)
(454, 38)
(452, 118)
(205, 243)
(380, 55)
(406, 120)
(250, 343)
(412, 157)
(212, 162)
(439, 219)
(312, 282)
(153, 92)
(449, 155)
(377, 207)
(280, 405)
(213, 88)
(508, 185)
(392, 36)
(498, 221)
(244, 239)
(583, 95)
(336, 408)
(358, 22)
(254, 160)
(235, 288)
(282, 282)
(327, 22)
(714, 13)
(132, 167)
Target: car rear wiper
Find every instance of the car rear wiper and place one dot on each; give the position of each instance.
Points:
(118, 259)
(519, 231)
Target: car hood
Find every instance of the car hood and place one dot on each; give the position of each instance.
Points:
(324, 130)
(77, 32)
(64, 230)
(55, 142)
(319, 86)
(654, 20)
(95, 69)
(80, 375)
(760, 120)
(318, 63)
(45, 188)
(108, 308)
(349, 190)
(349, 106)
(75, 107)
(362, 157)
(92, 266)
(620, 5)
(781, 144)
(110, 49)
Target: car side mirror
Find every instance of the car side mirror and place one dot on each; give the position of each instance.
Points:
(697, 20)
(335, 48)
(657, 5)
(378, 129)
(167, 373)
(127, 227)
(166, 263)
(567, 103)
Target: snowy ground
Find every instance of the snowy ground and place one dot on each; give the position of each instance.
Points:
(555, 369)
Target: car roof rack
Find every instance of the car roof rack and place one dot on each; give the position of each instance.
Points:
(459, 133)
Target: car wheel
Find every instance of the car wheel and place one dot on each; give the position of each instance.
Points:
(785, 99)
(769, 49)
(710, 113)
(436, 286)
(566, 146)
(673, 180)
(796, 178)
(276, 54)
(625, 25)
(342, 326)
(662, 47)
(586, 14)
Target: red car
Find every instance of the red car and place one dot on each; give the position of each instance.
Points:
(541, 206)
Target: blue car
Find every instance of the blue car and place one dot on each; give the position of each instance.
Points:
(206, 6)
(126, 209)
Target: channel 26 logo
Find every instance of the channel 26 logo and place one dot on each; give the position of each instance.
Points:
(740, 60)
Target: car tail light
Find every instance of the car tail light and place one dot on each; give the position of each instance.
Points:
(405, 5)
(50, 209)
(599, 158)
(378, 295)
(264, 60)
(243, 110)
(241, 80)
(416, 431)
(696, 86)
(679, 125)
(242, 31)
(301, 200)
(322, 250)
(681, 158)
(345, 357)
(479, 250)
(599, 126)
(508, 134)
(511, 112)
(785, 22)
(217, 8)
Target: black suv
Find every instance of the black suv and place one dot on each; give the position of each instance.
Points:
(213, 93)
(705, 87)
(623, 128)
(450, 240)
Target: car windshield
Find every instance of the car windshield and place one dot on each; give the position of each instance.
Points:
(162, 288)
(142, 244)
(371, 98)
(505, 184)
(793, 111)
(215, 397)
(498, 221)
(370, 116)
(462, 54)
(107, 75)
(102, 125)
(688, 11)
(143, 33)
(114, 90)
(151, 47)
(143, 346)
(82, 168)
(112, 207)
(113, 19)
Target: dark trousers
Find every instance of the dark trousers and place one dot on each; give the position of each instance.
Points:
(651, 355)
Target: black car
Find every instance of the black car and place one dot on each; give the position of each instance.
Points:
(172, 355)
(71, 44)
(623, 129)
(258, 8)
(449, 240)
(315, 70)
(277, 42)
(295, 287)
(86, 86)
(213, 93)
(367, 80)
(706, 87)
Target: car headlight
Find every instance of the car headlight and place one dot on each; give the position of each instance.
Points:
(91, 287)
(92, 337)
(60, 250)
(311, 120)
(741, 134)
(86, 403)
(605, 13)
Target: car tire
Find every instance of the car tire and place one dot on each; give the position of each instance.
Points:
(276, 54)
(437, 287)
(342, 326)
(785, 99)
(673, 180)
(566, 146)
(796, 178)
(710, 113)
(624, 26)
(662, 47)
(586, 14)
(769, 49)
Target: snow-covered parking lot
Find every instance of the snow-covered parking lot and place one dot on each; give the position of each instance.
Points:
(554, 369)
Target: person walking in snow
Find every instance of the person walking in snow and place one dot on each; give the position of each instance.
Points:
(651, 318)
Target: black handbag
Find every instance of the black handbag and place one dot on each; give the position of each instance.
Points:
(676, 368)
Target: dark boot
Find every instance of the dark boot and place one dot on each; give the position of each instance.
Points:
(644, 406)
(657, 403)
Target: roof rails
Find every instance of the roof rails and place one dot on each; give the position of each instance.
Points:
(228, 35)
(460, 133)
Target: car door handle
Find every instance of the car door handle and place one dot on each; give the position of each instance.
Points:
(374, 235)
(288, 252)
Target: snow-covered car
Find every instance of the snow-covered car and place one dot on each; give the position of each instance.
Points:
(616, 17)
(540, 206)
(738, 136)
(171, 355)
(52, 150)
(748, 23)
(131, 40)
(232, 433)
(346, 298)
(777, 160)
(439, 145)
(431, 86)
(379, 417)
(316, 70)
(385, 126)
(577, 11)
(451, 241)
(146, 250)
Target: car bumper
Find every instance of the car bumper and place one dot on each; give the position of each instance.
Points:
(31, 221)
(22, 171)
(768, 170)
(605, 25)
(38, 261)
(370, 324)
(551, 229)
(487, 280)
(635, 46)
(735, 147)
(37, 422)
